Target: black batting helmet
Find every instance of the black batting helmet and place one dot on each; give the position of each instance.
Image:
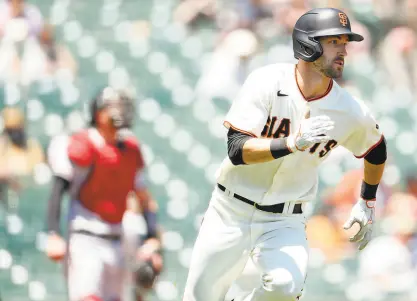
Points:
(319, 22)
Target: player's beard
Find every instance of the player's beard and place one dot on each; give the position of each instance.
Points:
(326, 67)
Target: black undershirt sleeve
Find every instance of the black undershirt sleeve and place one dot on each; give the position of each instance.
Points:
(152, 224)
(376, 156)
(379, 154)
(236, 141)
(60, 186)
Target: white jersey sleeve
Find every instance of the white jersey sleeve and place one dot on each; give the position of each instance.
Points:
(58, 157)
(250, 110)
(366, 133)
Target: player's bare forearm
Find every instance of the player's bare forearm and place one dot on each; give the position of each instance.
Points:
(245, 149)
(257, 150)
(145, 201)
(373, 172)
(374, 163)
(149, 209)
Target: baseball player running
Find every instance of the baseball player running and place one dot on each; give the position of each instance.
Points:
(283, 124)
(99, 167)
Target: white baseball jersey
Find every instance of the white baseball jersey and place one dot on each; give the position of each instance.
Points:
(271, 105)
(58, 158)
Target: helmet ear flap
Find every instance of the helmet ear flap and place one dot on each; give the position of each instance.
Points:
(315, 48)
(306, 48)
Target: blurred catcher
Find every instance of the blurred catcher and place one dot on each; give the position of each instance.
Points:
(100, 168)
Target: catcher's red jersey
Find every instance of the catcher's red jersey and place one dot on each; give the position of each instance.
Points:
(112, 173)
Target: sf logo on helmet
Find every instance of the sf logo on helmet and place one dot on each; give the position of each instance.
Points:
(343, 19)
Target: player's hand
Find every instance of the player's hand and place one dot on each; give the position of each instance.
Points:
(363, 213)
(149, 251)
(55, 247)
(312, 130)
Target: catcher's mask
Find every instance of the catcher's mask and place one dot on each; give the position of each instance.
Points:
(119, 105)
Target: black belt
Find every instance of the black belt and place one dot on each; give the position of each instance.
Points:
(277, 208)
(114, 237)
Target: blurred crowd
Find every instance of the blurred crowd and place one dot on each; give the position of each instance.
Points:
(28, 49)
(248, 27)
(252, 33)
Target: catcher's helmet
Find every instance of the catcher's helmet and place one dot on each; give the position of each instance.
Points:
(319, 22)
(122, 116)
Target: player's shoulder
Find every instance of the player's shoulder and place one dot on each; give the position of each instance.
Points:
(81, 135)
(270, 77)
(60, 139)
(91, 137)
(58, 142)
(57, 155)
(83, 145)
(82, 142)
(272, 71)
(352, 104)
(132, 142)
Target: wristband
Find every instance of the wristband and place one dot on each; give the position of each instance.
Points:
(368, 191)
(151, 222)
(279, 148)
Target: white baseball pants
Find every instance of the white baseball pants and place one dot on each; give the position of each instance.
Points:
(231, 233)
(245, 282)
(95, 267)
(100, 267)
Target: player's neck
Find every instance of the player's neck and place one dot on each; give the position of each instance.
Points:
(108, 134)
(311, 83)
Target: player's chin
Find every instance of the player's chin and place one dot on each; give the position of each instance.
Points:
(339, 68)
(336, 72)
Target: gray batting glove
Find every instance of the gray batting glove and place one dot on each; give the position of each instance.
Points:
(312, 130)
(363, 213)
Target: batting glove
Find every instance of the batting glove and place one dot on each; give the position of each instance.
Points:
(363, 213)
(312, 130)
